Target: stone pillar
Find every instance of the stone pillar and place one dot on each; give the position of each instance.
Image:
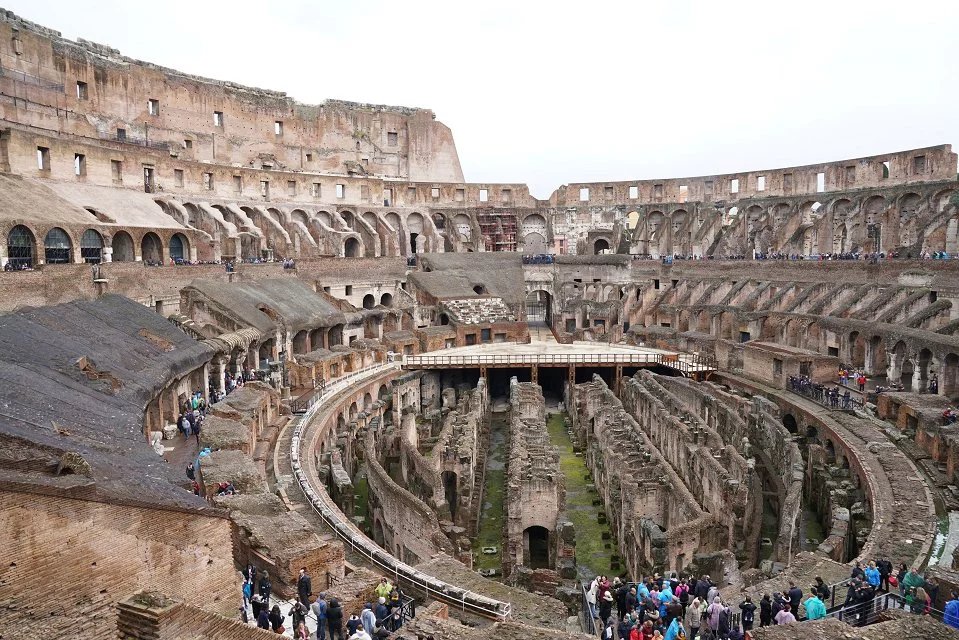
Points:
(220, 372)
(870, 358)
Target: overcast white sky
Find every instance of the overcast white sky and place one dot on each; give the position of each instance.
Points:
(554, 92)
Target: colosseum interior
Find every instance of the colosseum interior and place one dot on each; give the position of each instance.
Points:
(486, 397)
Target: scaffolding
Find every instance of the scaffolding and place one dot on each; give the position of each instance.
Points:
(498, 228)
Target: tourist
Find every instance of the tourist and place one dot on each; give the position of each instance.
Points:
(795, 595)
(785, 616)
(822, 589)
(608, 633)
(872, 575)
(301, 633)
(748, 612)
(712, 614)
(334, 620)
(247, 592)
(381, 611)
(384, 588)
(319, 612)
(591, 595)
(276, 619)
(951, 611)
(605, 606)
(304, 587)
(361, 634)
(815, 608)
(920, 602)
(694, 616)
(353, 624)
(861, 381)
(298, 614)
(625, 626)
(263, 619)
(910, 582)
(885, 571)
(765, 611)
(266, 588)
(368, 618)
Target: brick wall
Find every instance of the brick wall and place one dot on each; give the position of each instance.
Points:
(67, 562)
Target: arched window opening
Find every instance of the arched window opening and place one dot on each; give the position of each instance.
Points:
(91, 247)
(56, 247)
(20, 247)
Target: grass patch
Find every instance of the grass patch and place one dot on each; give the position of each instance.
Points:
(492, 516)
(592, 556)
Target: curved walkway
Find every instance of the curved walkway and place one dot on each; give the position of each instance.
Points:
(305, 473)
(904, 515)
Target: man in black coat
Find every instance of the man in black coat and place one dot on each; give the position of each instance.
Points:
(304, 587)
(765, 611)
(795, 597)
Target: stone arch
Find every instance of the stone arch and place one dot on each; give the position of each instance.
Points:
(949, 384)
(536, 547)
(386, 300)
(352, 248)
(417, 238)
(91, 247)
(179, 248)
(601, 246)
(369, 301)
(57, 247)
(923, 362)
(122, 244)
(151, 249)
(21, 247)
(301, 341)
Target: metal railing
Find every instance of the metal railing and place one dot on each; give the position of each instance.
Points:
(684, 362)
(827, 396)
(359, 543)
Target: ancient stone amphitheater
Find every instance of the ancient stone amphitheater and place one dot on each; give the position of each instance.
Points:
(486, 397)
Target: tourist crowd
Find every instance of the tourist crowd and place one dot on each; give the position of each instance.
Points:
(375, 620)
(673, 608)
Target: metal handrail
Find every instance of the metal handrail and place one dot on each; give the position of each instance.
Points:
(359, 543)
(696, 363)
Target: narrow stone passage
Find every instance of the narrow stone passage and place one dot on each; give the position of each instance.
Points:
(595, 546)
(490, 530)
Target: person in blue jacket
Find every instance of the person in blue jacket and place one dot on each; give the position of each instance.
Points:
(672, 633)
(872, 575)
(815, 608)
(951, 613)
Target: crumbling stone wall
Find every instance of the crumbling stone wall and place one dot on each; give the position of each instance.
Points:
(728, 486)
(659, 524)
(535, 492)
(754, 427)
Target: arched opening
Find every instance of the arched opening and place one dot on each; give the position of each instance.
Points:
(444, 319)
(335, 336)
(414, 223)
(179, 248)
(386, 300)
(479, 290)
(789, 421)
(536, 543)
(56, 247)
(369, 301)
(539, 307)
(905, 377)
(449, 488)
(301, 341)
(378, 532)
(266, 353)
(601, 247)
(123, 247)
(316, 338)
(925, 357)
(151, 249)
(91, 247)
(351, 248)
(950, 373)
(20, 247)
